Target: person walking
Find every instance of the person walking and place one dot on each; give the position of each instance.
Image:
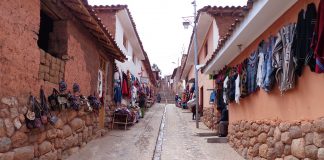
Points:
(193, 110)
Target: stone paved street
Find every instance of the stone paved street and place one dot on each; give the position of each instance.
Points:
(138, 142)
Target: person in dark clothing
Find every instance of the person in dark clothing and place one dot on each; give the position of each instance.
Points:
(158, 98)
(193, 110)
(223, 123)
(142, 102)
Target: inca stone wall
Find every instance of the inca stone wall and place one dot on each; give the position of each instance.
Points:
(24, 68)
(73, 130)
(210, 118)
(272, 139)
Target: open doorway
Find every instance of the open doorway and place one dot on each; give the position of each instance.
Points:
(201, 101)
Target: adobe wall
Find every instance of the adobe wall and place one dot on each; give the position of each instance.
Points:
(209, 111)
(20, 59)
(271, 125)
(303, 101)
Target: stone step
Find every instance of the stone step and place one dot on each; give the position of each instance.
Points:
(217, 140)
(207, 134)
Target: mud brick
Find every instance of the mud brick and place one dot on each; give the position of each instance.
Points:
(41, 75)
(57, 67)
(62, 67)
(42, 57)
(52, 72)
(47, 61)
(53, 60)
(61, 75)
(48, 56)
(44, 69)
(58, 61)
(47, 77)
(53, 79)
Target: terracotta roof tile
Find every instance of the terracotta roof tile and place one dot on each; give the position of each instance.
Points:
(233, 26)
(90, 20)
(226, 19)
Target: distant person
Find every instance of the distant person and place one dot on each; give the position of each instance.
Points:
(176, 98)
(193, 110)
(158, 98)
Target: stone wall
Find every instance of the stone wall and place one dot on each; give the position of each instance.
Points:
(24, 69)
(210, 118)
(51, 69)
(73, 130)
(273, 139)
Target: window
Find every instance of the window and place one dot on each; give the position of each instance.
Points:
(52, 42)
(125, 42)
(45, 29)
(206, 48)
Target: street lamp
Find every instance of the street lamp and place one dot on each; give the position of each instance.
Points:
(186, 25)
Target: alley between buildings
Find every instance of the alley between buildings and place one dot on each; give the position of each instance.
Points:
(180, 140)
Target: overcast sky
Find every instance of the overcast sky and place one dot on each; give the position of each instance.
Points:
(159, 25)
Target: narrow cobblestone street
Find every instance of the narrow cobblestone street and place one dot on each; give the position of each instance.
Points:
(180, 141)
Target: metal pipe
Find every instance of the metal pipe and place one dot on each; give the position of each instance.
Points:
(196, 63)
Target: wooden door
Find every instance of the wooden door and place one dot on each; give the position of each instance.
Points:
(201, 97)
(103, 72)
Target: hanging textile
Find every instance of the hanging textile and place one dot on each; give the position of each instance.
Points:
(225, 85)
(268, 76)
(299, 43)
(283, 58)
(310, 17)
(252, 72)
(212, 97)
(125, 91)
(237, 89)
(318, 39)
(117, 93)
(303, 54)
(260, 71)
(243, 81)
(231, 95)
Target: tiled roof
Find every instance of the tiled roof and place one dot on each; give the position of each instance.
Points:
(226, 19)
(223, 39)
(115, 8)
(174, 72)
(89, 19)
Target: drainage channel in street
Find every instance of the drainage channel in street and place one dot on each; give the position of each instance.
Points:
(159, 141)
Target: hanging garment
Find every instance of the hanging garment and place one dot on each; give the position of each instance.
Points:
(260, 71)
(125, 89)
(310, 17)
(237, 89)
(212, 97)
(243, 81)
(283, 58)
(220, 98)
(225, 85)
(299, 43)
(134, 94)
(318, 39)
(268, 75)
(252, 72)
(303, 54)
(231, 95)
(117, 93)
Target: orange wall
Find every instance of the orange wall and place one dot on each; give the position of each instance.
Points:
(203, 79)
(305, 101)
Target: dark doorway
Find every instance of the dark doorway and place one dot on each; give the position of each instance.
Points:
(46, 27)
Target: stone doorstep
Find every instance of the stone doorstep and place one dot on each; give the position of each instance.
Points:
(206, 134)
(217, 140)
